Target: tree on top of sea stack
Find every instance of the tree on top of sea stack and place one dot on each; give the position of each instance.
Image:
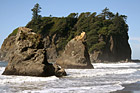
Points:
(36, 10)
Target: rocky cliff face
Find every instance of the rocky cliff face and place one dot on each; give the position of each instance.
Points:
(117, 49)
(7, 48)
(29, 57)
(49, 44)
(75, 54)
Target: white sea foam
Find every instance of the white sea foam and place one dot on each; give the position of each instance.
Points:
(115, 65)
(25, 79)
(22, 79)
(95, 89)
(97, 72)
(103, 79)
(100, 71)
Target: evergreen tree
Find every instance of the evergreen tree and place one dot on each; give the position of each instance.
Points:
(36, 10)
(107, 14)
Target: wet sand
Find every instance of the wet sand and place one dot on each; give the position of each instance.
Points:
(130, 88)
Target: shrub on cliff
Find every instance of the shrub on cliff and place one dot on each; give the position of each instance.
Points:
(14, 32)
(97, 46)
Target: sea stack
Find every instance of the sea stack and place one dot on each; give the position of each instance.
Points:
(116, 49)
(30, 57)
(75, 54)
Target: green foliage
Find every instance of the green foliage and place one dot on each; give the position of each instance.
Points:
(95, 26)
(14, 32)
(98, 46)
(73, 15)
(107, 14)
(36, 10)
(103, 31)
(61, 44)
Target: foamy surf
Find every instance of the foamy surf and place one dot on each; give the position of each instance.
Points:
(97, 72)
(103, 79)
(22, 79)
(97, 89)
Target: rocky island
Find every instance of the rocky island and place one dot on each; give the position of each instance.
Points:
(107, 35)
(76, 53)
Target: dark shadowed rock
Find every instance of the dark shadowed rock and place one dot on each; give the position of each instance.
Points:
(59, 71)
(75, 54)
(30, 57)
(49, 44)
(116, 49)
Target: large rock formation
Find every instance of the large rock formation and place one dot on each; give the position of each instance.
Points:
(107, 36)
(8, 47)
(29, 57)
(116, 49)
(75, 54)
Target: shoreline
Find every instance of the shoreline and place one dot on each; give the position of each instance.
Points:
(99, 80)
(129, 88)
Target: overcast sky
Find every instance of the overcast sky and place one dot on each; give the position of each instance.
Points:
(16, 13)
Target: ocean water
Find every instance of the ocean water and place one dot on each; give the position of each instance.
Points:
(104, 78)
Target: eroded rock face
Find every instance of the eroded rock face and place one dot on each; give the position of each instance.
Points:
(75, 54)
(30, 57)
(117, 49)
(49, 44)
(7, 48)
